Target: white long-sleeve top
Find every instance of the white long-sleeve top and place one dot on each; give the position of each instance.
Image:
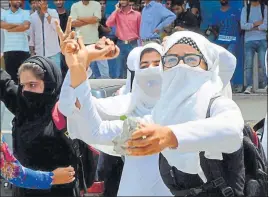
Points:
(141, 175)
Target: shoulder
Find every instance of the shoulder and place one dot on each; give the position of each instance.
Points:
(75, 5)
(52, 11)
(224, 104)
(136, 13)
(96, 3)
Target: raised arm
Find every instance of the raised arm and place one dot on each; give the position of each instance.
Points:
(8, 91)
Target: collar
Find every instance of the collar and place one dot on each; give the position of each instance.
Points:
(152, 3)
(19, 10)
(131, 10)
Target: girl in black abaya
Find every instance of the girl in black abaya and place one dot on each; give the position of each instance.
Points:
(37, 143)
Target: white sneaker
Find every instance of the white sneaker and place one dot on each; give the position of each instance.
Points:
(248, 90)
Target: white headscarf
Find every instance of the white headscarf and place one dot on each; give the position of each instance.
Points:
(227, 65)
(132, 60)
(140, 102)
(144, 95)
(186, 92)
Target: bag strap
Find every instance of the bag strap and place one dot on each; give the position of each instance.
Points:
(215, 167)
(132, 78)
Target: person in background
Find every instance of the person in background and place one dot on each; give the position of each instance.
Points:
(86, 16)
(186, 20)
(63, 16)
(43, 36)
(2, 43)
(108, 32)
(127, 22)
(168, 4)
(226, 26)
(18, 175)
(15, 22)
(155, 17)
(33, 5)
(194, 7)
(255, 26)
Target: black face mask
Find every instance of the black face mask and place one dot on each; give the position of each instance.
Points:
(36, 101)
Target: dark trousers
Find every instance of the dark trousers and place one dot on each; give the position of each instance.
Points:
(109, 169)
(13, 60)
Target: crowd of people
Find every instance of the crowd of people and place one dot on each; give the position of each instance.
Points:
(57, 120)
(132, 23)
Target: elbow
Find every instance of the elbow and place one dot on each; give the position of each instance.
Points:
(64, 109)
(234, 139)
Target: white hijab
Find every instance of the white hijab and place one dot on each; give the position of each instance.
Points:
(132, 60)
(186, 93)
(140, 102)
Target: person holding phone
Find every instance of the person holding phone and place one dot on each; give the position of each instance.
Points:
(127, 22)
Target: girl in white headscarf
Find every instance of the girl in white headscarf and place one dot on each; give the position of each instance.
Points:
(190, 80)
(140, 176)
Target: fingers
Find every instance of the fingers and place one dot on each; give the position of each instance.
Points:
(70, 169)
(68, 25)
(59, 31)
(143, 142)
(141, 133)
(81, 43)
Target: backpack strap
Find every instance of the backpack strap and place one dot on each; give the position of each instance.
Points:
(132, 78)
(214, 167)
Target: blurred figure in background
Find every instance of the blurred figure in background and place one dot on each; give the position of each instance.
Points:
(63, 16)
(127, 22)
(86, 16)
(226, 26)
(33, 5)
(109, 32)
(15, 21)
(195, 8)
(43, 37)
(254, 22)
(185, 20)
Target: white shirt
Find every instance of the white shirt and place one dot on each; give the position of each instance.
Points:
(49, 46)
(141, 173)
(221, 133)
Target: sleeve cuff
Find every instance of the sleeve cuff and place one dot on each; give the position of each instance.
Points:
(184, 139)
(82, 91)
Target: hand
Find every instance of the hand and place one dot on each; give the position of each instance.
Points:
(43, 7)
(117, 7)
(151, 139)
(63, 175)
(156, 31)
(78, 53)
(257, 23)
(178, 28)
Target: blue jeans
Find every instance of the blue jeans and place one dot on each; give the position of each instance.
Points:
(260, 47)
(100, 69)
(57, 60)
(120, 68)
